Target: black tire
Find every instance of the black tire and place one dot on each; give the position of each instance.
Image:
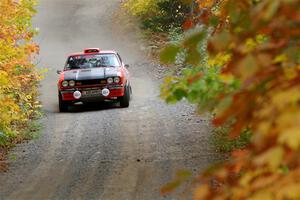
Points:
(124, 100)
(63, 106)
(130, 93)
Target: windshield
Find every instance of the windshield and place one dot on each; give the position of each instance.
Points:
(91, 61)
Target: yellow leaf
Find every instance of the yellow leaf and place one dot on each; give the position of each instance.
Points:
(201, 192)
(250, 45)
(280, 59)
(227, 78)
(283, 98)
(262, 195)
(291, 137)
(3, 78)
(273, 158)
(290, 72)
(247, 177)
(247, 67)
(291, 191)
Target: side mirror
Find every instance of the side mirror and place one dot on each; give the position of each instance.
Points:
(127, 66)
(58, 71)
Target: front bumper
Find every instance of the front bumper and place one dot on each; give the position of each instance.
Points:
(114, 92)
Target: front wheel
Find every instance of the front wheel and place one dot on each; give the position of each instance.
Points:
(63, 106)
(124, 100)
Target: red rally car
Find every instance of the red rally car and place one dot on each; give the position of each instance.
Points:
(93, 76)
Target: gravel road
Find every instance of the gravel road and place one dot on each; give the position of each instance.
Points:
(101, 151)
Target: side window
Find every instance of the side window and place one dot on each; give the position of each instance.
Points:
(120, 58)
(67, 66)
(72, 63)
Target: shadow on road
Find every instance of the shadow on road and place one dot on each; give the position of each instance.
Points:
(92, 107)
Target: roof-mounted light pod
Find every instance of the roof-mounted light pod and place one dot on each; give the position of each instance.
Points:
(91, 50)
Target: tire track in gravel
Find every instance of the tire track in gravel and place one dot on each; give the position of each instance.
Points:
(132, 183)
(45, 177)
(96, 151)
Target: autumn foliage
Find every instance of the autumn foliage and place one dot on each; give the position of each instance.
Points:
(255, 45)
(18, 76)
(159, 16)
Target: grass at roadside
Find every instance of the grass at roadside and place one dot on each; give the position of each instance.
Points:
(223, 143)
(30, 130)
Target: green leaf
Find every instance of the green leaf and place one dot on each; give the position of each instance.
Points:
(3, 138)
(171, 99)
(193, 58)
(193, 41)
(285, 169)
(170, 187)
(180, 93)
(214, 21)
(168, 54)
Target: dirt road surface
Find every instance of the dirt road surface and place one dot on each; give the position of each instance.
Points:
(103, 152)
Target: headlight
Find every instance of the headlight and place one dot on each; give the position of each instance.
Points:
(110, 80)
(117, 80)
(65, 83)
(72, 83)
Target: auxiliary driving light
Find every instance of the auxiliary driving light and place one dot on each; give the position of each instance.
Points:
(77, 95)
(105, 92)
(110, 80)
(117, 80)
(65, 83)
(72, 83)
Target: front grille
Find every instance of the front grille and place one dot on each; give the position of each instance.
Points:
(91, 82)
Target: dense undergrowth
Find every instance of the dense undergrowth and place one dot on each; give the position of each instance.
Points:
(159, 15)
(163, 23)
(19, 78)
(159, 20)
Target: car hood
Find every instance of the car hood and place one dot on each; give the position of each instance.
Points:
(91, 74)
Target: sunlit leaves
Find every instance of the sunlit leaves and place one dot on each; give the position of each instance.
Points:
(169, 54)
(141, 7)
(205, 3)
(272, 158)
(3, 78)
(18, 76)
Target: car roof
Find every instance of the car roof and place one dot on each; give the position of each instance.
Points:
(101, 51)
